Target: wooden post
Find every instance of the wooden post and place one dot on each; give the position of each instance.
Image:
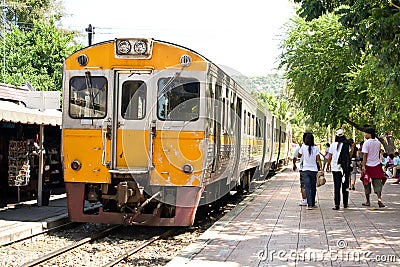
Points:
(41, 163)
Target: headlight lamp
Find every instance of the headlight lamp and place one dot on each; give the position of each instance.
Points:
(140, 47)
(124, 47)
(76, 165)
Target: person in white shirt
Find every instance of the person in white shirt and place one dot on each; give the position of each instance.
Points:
(310, 168)
(303, 201)
(341, 174)
(371, 165)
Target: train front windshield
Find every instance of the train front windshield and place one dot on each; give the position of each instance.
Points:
(88, 97)
(178, 99)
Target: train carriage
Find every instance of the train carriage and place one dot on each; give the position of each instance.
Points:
(152, 130)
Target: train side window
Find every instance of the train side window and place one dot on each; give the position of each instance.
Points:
(88, 97)
(178, 99)
(133, 106)
(244, 121)
(257, 134)
(253, 125)
(223, 113)
(248, 123)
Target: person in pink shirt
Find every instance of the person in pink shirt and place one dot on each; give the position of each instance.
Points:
(371, 165)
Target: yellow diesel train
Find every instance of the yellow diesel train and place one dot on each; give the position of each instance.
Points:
(151, 130)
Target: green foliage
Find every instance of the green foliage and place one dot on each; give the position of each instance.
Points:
(23, 13)
(332, 82)
(36, 56)
(312, 9)
(316, 59)
(287, 111)
(274, 84)
(374, 27)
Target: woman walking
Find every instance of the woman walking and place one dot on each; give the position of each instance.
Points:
(311, 158)
(327, 167)
(340, 154)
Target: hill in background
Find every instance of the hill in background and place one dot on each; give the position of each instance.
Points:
(273, 84)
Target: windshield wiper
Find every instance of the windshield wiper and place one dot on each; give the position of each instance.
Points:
(166, 86)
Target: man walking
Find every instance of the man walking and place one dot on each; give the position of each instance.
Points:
(303, 201)
(372, 167)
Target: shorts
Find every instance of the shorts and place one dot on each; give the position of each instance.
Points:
(301, 180)
(376, 183)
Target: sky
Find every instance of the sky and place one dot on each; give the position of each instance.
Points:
(243, 35)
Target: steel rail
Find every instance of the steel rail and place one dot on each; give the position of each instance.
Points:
(126, 255)
(70, 247)
(50, 230)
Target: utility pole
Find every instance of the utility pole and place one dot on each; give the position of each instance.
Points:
(90, 31)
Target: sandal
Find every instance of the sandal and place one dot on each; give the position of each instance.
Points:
(366, 204)
(380, 204)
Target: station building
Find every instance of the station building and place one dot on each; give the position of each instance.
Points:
(30, 139)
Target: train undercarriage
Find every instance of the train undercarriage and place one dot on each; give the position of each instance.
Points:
(127, 202)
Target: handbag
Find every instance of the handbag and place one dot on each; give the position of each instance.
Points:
(365, 178)
(320, 179)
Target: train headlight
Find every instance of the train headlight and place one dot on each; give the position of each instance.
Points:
(124, 47)
(76, 165)
(187, 168)
(140, 47)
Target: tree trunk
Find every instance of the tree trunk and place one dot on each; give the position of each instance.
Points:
(384, 143)
(387, 140)
(390, 142)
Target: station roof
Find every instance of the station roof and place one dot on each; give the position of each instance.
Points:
(18, 113)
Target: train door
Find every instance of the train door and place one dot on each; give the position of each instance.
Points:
(264, 136)
(238, 138)
(132, 140)
(279, 140)
(217, 127)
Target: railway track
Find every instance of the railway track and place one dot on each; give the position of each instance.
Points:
(48, 231)
(67, 249)
(128, 253)
(128, 246)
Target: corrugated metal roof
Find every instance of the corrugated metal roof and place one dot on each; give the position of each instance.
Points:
(8, 91)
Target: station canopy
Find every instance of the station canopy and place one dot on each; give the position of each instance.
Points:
(18, 113)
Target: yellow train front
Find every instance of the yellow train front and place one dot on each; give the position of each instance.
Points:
(152, 129)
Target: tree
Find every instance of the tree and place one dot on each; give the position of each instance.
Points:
(36, 56)
(374, 26)
(23, 13)
(312, 9)
(289, 112)
(316, 59)
(333, 84)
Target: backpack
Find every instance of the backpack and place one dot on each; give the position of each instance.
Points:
(344, 158)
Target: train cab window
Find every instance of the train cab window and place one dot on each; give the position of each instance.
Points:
(88, 97)
(133, 105)
(178, 99)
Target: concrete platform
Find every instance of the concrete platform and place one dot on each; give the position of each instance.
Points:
(25, 219)
(269, 228)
